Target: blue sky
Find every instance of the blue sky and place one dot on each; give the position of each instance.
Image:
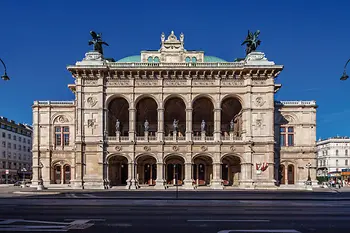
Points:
(310, 38)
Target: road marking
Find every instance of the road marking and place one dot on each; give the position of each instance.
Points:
(263, 231)
(71, 195)
(228, 220)
(89, 195)
(75, 224)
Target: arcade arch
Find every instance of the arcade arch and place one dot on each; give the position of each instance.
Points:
(203, 110)
(117, 170)
(146, 170)
(118, 109)
(146, 110)
(175, 109)
(202, 170)
(174, 170)
(231, 170)
(231, 116)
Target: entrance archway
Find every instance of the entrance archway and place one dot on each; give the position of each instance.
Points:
(202, 170)
(67, 174)
(231, 111)
(147, 170)
(57, 174)
(146, 109)
(175, 109)
(174, 170)
(203, 110)
(282, 176)
(118, 108)
(231, 170)
(117, 170)
(290, 175)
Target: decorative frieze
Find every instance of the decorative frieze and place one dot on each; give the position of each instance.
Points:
(175, 82)
(203, 83)
(118, 83)
(259, 82)
(146, 83)
(232, 82)
(90, 82)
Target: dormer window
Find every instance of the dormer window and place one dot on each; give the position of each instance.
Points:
(156, 59)
(188, 59)
(150, 59)
(194, 59)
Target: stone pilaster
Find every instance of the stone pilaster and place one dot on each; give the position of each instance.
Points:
(188, 124)
(160, 133)
(131, 177)
(188, 176)
(217, 124)
(246, 175)
(132, 124)
(160, 176)
(216, 183)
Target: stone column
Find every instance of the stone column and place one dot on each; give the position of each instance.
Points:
(246, 175)
(160, 176)
(217, 124)
(188, 176)
(132, 182)
(132, 124)
(216, 183)
(160, 133)
(188, 124)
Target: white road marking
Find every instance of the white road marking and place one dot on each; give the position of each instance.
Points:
(89, 195)
(263, 231)
(228, 220)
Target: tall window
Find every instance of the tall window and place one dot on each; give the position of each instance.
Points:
(336, 152)
(346, 152)
(287, 136)
(346, 162)
(62, 136)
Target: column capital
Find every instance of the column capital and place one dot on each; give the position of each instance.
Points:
(132, 109)
(160, 109)
(217, 109)
(189, 109)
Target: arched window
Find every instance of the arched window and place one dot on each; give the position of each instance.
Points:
(346, 152)
(156, 59)
(188, 59)
(336, 152)
(150, 59)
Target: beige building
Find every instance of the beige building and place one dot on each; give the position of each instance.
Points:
(15, 150)
(173, 116)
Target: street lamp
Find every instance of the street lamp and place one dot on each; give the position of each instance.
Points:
(345, 76)
(23, 170)
(4, 77)
(308, 182)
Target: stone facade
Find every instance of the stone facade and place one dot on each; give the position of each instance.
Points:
(332, 156)
(169, 117)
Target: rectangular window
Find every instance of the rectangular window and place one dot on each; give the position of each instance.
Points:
(346, 162)
(9, 136)
(3, 135)
(14, 137)
(286, 136)
(61, 136)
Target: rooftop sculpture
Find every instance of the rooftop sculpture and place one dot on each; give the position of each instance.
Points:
(252, 41)
(97, 42)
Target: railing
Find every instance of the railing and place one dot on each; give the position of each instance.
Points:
(228, 138)
(179, 64)
(124, 138)
(152, 138)
(197, 138)
(295, 103)
(168, 138)
(54, 102)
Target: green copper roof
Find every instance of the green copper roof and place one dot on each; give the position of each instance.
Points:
(213, 59)
(137, 58)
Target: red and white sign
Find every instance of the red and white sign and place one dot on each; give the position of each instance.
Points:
(7, 172)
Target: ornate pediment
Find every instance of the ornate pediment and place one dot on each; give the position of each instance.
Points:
(172, 43)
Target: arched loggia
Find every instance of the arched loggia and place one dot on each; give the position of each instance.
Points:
(118, 110)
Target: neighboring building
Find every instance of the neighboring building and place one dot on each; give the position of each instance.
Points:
(173, 114)
(15, 150)
(333, 157)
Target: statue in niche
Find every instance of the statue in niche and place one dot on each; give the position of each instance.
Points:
(252, 41)
(176, 124)
(97, 42)
(146, 125)
(203, 126)
(232, 125)
(117, 126)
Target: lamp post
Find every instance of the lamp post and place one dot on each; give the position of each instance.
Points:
(23, 170)
(4, 76)
(176, 178)
(345, 76)
(308, 182)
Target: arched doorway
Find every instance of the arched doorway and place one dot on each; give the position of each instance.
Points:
(67, 174)
(117, 170)
(231, 170)
(174, 170)
(146, 170)
(118, 109)
(282, 176)
(57, 176)
(146, 110)
(175, 109)
(202, 170)
(231, 112)
(203, 110)
(290, 175)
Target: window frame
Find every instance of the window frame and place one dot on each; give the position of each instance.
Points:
(287, 132)
(63, 133)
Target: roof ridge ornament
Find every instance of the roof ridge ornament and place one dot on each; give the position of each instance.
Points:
(172, 44)
(97, 42)
(252, 41)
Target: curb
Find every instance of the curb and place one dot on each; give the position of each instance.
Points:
(36, 193)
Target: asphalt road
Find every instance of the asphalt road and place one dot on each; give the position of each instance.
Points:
(94, 214)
